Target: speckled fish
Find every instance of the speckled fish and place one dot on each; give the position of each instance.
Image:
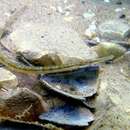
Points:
(68, 115)
(77, 84)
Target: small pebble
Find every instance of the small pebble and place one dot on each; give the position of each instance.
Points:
(65, 1)
(114, 30)
(88, 14)
(91, 31)
(109, 62)
(91, 42)
(107, 1)
(122, 16)
(60, 10)
(118, 9)
(119, 3)
(68, 18)
(82, 1)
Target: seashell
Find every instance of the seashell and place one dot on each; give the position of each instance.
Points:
(68, 115)
(77, 84)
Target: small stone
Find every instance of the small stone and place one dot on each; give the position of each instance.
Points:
(21, 104)
(110, 30)
(107, 48)
(91, 42)
(83, 1)
(115, 99)
(68, 18)
(65, 1)
(97, 39)
(122, 16)
(107, 1)
(91, 31)
(7, 14)
(67, 13)
(118, 10)
(119, 3)
(60, 10)
(53, 8)
(88, 15)
(7, 79)
(69, 7)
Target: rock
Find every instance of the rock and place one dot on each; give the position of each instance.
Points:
(68, 18)
(119, 9)
(91, 31)
(83, 1)
(7, 79)
(119, 2)
(60, 10)
(122, 16)
(108, 48)
(91, 42)
(21, 104)
(114, 30)
(51, 44)
(88, 15)
(107, 1)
